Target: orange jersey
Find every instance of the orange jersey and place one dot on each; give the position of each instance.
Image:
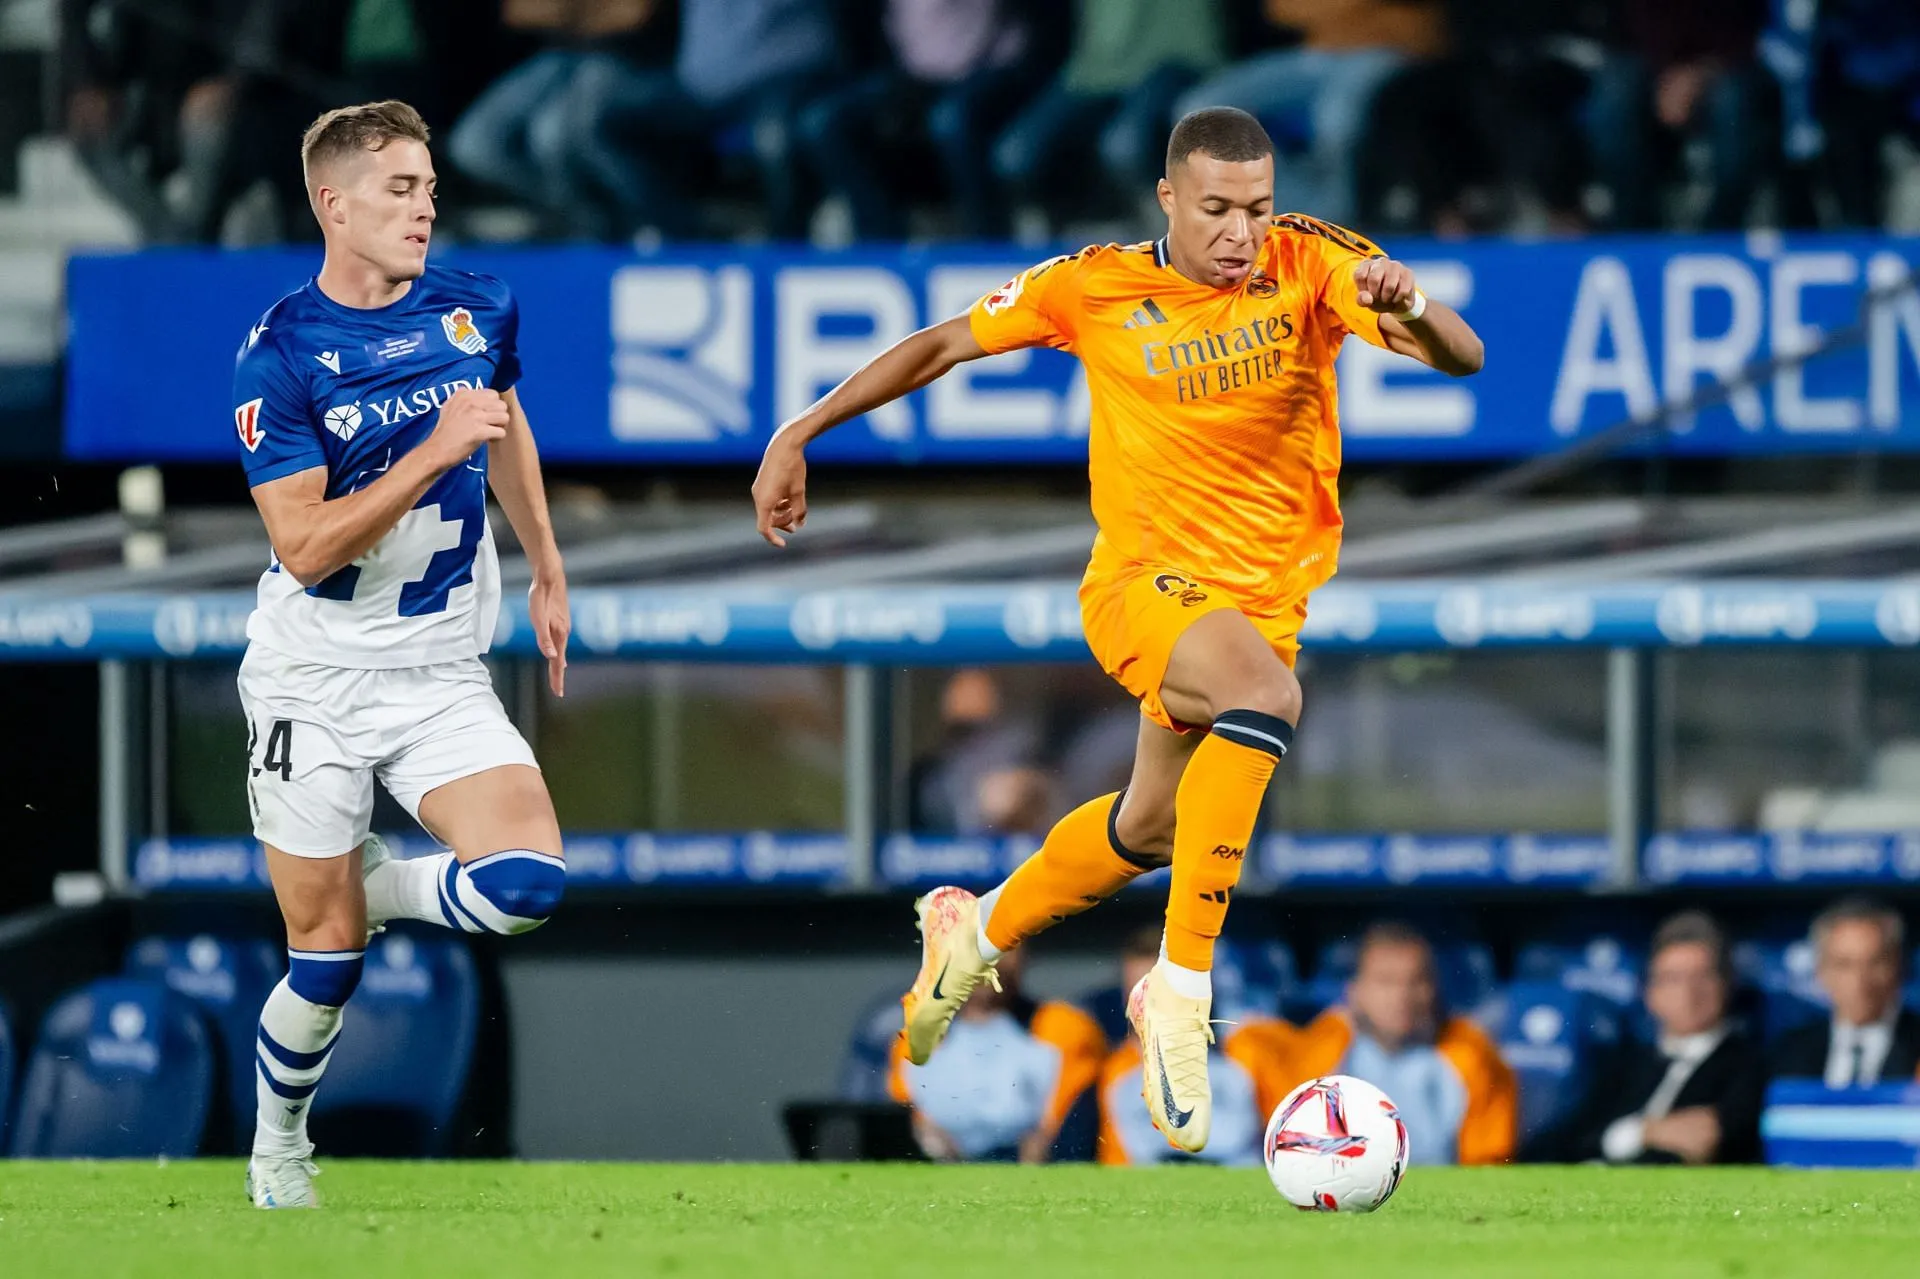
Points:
(1214, 447)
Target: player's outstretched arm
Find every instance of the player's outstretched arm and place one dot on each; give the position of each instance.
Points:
(314, 537)
(1437, 337)
(515, 477)
(780, 490)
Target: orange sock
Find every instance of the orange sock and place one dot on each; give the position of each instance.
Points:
(1079, 865)
(1214, 812)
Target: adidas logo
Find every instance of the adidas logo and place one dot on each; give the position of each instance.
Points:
(1147, 316)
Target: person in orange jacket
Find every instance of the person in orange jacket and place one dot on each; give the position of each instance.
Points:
(1457, 1096)
(1004, 1079)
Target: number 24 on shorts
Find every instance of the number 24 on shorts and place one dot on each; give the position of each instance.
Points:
(278, 757)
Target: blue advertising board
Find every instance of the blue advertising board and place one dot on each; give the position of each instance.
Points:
(696, 355)
(1281, 860)
(1035, 621)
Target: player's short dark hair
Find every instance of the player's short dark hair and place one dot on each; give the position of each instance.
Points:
(1225, 133)
(1695, 928)
(366, 127)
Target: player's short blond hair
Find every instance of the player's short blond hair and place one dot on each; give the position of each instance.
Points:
(367, 127)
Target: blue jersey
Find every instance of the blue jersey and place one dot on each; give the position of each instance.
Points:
(318, 384)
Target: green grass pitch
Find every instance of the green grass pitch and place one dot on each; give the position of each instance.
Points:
(555, 1221)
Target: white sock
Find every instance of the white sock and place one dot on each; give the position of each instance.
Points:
(1188, 983)
(407, 888)
(988, 951)
(295, 1027)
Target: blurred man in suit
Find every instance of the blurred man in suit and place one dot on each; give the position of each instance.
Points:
(1858, 947)
(1693, 1095)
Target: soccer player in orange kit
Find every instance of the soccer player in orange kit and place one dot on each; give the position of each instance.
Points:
(1214, 453)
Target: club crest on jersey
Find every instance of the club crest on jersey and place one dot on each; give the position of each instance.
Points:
(1262, 285)
(343, 420)
(460, 331)
(1004, 296)
(246, 420)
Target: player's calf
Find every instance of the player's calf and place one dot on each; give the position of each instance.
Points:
(299, 1026)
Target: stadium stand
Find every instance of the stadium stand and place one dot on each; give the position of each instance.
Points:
(400, 1070)
(122, 1068)
(228, 979)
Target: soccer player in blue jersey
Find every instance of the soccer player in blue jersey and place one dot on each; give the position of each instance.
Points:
(374, 408)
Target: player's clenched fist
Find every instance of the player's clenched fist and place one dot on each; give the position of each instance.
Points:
(780, 491)
(1384, 285)
(469, 419)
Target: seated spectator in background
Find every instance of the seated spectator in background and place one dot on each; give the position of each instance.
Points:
(1130, 60)
(955, 73)
(742, 65)
(1858, 946)
(1127, 1134)
(1315, 98)
(977, 739)
(1017, 801)
(1693, 1095)
(1458, 1097)
(1005, 1077)
(525, 133)
(1687, 69)
(1866, 90)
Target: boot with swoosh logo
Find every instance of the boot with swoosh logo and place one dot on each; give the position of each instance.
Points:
(950, 967)
(1174, 1034)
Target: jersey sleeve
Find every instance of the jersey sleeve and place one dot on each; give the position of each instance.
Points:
(1334, 253)
(1035, 308)
(506, 374)
(278, 436)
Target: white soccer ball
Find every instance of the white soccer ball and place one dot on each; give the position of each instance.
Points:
(1336, 1144)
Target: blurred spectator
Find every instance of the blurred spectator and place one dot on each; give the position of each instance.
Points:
(1130, 60)
(1005, 1077)
(955, 73)
(1458, 1097)
(180, 107)
(1017, 801)
(1315, 98)
(1858, 946)
(1127, 1134)
(1461, 143)
(1694, 1094)
(1866, 90)
(1687, 70)
(976, 740)
(743, 69)
(527, 132)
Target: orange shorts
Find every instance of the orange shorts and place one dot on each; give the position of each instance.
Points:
(1134, 614)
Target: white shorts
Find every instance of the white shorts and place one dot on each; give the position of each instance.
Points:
(317, 736)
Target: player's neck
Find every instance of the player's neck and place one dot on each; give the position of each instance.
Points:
(357, 283)
(1191, 270)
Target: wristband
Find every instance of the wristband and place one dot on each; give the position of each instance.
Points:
(1414, 312)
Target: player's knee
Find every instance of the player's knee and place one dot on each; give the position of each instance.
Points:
(510, 892)
(1271, 691)
(324, 977)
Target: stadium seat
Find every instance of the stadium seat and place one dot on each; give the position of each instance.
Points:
(123, 1068)
(406, 1046)
(1604, 966)
(1252, 978)
(229, 980)
(1547, 1033)
(6, 1074)
(863, 1071)
(1780, 976)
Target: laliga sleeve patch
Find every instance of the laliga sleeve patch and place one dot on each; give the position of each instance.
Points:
(246, 420)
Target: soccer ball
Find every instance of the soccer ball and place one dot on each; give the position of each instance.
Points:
(1336, 1144)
